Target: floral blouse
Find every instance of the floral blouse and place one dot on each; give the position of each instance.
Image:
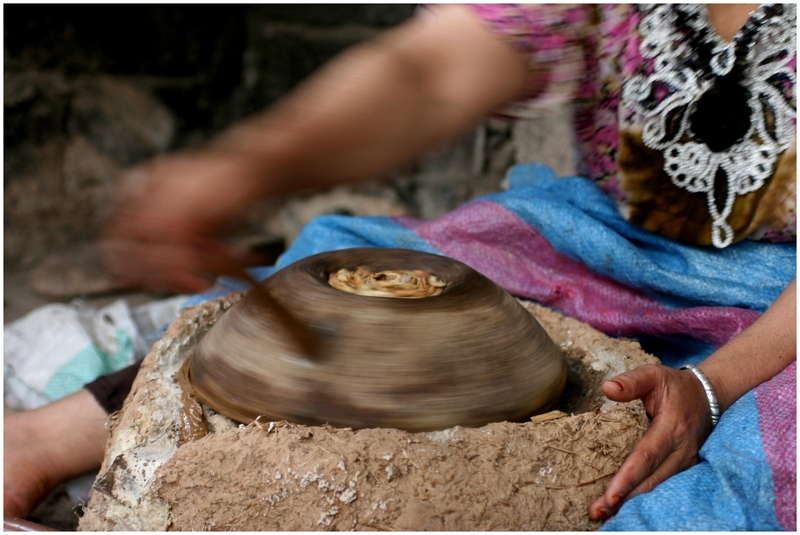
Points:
(693, 136)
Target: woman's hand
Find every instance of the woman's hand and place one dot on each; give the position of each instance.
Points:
(163, 232)
(677, 403)
(376, 106)
(679, 407)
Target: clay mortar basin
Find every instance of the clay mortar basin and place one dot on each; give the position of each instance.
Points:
(538, 475)
(469, 356)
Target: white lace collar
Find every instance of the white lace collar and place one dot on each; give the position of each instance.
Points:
(749, 92)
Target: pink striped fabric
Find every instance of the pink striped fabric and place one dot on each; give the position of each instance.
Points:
(776, 401)
(496, 242)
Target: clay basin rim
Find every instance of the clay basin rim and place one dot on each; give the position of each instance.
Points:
(469, 356)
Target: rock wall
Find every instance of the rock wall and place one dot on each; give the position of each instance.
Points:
(92, 89)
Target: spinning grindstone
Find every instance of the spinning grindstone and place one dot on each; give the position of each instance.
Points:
(405, 339)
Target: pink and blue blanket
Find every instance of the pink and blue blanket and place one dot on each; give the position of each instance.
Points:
(562, 243)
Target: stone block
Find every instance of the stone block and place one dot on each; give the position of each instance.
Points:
(297, 212)
(36, 106)
(122, 121)
(123, 39)
(547, 138)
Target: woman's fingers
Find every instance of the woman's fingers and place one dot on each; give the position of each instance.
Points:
(635, 384)
(158, 266)
(162, 230)
(677, 404)
(664, 451)
(675, 463)
(609, 503)
(646, 459)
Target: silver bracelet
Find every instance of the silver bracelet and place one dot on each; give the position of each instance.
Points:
(712, 397)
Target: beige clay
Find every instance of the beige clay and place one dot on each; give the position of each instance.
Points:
(279, 476)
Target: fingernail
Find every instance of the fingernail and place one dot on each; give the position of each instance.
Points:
(601, 513)
(614, 500)
(616, 384)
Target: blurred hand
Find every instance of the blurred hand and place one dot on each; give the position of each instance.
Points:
(379, 105)
(164, 229)
(677, 403)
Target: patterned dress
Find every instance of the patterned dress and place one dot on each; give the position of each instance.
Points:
(694, 137)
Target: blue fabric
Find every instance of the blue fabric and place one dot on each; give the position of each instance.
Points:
(581, 222)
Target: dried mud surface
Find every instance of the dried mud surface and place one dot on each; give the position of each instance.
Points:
(282, 476)
(499, 477)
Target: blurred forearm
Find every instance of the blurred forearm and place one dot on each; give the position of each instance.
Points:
(381, 104)
(376, 106)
